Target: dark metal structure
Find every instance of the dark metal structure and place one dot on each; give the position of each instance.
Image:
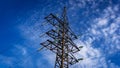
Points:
(61, 41)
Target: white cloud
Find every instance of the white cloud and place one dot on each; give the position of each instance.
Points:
(102, 28)
(102, 22)
(110, 28)
(92, 57)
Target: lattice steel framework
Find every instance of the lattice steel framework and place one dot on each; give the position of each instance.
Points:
(61, 41)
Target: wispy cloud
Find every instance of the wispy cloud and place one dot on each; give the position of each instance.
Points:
(108, 31)
(92, 57)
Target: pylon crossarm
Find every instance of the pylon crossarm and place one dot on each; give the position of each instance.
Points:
(52, 33)
(73, 45)
(50, 45)
(51, 20)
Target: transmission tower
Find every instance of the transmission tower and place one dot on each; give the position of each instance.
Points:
(61, 42)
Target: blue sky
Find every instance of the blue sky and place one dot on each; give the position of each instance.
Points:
(97, 23)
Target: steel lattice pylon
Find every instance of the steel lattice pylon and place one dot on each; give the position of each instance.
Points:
(62, 41)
